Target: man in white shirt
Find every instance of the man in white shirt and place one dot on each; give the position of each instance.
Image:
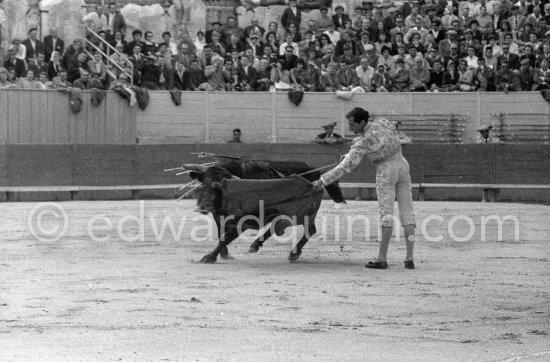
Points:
(333, 35)
(364, 73)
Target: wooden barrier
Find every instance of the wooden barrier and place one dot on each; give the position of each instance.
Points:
(44, 117)
(443, 169)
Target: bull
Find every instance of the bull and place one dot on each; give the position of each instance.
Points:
(226, 186)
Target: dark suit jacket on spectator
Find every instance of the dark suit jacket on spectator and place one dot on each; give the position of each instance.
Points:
(248, 77)
(18, 65)
(289, 62)
(289, 17)
(196, 77)
(49, 49)
(119, 24)
(31, 53)
(340, 22)
(513, 60)
(180, 82)
(53, 70)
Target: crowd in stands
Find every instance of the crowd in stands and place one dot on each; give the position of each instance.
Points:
(434, 46)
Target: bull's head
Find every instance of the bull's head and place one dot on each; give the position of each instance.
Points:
(209, 195)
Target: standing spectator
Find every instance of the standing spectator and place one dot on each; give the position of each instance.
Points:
(291, 15)
(14, 63)
(96, 20)
(52, 43)
(54, 67)
(33, 45)
(115, 21)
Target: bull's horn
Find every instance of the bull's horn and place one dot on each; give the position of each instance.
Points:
(194, 167)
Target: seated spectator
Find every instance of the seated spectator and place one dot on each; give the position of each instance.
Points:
(196, 76)
(231, 28)
(119, 43)
(63, 81)
(256, 47)
(136, 35)
(325, 22)
(542, 76)
(490, 60)
(292, 30)
(235, 45)
(429, 58)
(11, 75)
(401, 57)
(122, 81)
(12, 62)
(436, 75)
(493, 43)
(332, 34)
(381, 43)
(166, 79)
(254, 28)
(97, 68)
(324, 44)
(289, 59)
(469, 41)
(278, 74)
(346, 77)
(297, 73)
(263, 76)
(401, 78)
(484, 77)
(180, 77)
(43, 82)
(416, 42)
(4, 81)
(283, 49)
(33, 45)
(353, 60)
(512, 60)
(514, 48)
(230, 75)
(417, 29)
(437, 31)
(213, 73)
(329, 81)
(55, 65)
(466, 76)
(216, 44)
(137, 58)
(420, 76)
(410, 59)
(216, 27)
(149, 47)
(270, 55)
(344, 42)
(75, 67)
(38, 64)
(20, 49)
(526, 76)
(311, 78)
(476, 32)
(505, 79)
(471, 58)
(272, 42)
(329, 137)
(365, 73)
(449, 82)
(385, 58)
(84, 81)
(150, 73)
(445, 44)
(528, 54)
(246, 75)
(199, 42)
(381, 80)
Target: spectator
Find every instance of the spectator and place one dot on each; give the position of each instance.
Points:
(325, 21)
(514, 48)
(236, 136)
(445, 44)
(52, 43)
(230, 29)
(420, 76)
(33, 45)
(166, 79)
(397, 43)
(483, 18)
(216, 43)
(84, 81)
(246, 75)
(385, 59)
(296, 36)
(329, 137)
(115, 20)
(542, 76)
(365, 73)
(311, 77)
(254, 28)
(526, 76)
(324, 42)
(20, 49)
(332, 34)
(76, 66)
(291, 15)
(43, 82)
(418, 29)
(471, 58)
(180, 77)
(401, 79)
(466, 76)
(505, 79)
(136, 35)
(4, 81)
(517, 20)
(493, 43)
(278, 75)
(63, 81)
(511, 60)
(216, 27)
(469, 41)
(436, 76)
(96, 20)
(399, 28)
(214, 74)
(119, 43)
(352, 60)
(97, 68)
(381, 43)
(38, 64)
(400, 56)
(381, 80)
(484, 76)
(476, 32)
(27, 82)
(196, 75)
(150, 73)
(339, 19)
(12, 62)
(450, 77)
(199, 43)
(149, 47)
(122, 81)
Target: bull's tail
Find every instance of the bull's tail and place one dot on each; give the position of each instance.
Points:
(335, 192)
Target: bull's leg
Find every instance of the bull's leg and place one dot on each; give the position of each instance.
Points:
(224, 252)
(309, 231)
(257, 244)
(230, 235)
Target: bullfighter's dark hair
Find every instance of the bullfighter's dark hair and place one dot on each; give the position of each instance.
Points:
(359, 115)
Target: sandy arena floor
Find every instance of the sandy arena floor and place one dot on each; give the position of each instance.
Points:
(81, 298)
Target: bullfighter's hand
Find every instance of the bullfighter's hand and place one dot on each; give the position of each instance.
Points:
(318, 185)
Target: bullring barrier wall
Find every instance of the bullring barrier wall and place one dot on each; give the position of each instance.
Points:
(57, 165)
(45, 117)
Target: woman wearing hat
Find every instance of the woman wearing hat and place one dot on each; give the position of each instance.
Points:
(379, 140)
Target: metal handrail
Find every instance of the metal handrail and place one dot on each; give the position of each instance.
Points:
(106, 56)
(96, 35)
